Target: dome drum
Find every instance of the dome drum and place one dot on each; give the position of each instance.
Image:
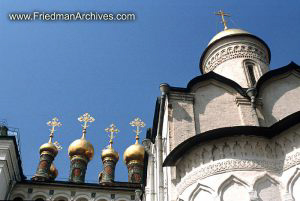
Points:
(227, 52)
(42, 172)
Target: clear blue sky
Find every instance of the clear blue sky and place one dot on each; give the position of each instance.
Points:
(113, 69)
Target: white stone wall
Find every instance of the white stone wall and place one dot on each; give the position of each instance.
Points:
(180, 121)
(215, 106)
(241, 168)
(66, 193)
(280, 97)
(9, 167)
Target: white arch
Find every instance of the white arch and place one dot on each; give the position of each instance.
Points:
(198, 188)
(231, 179)
(265, 177)
(62, 195)
(122, 199)
(101, 197)
(18, 193)
(292, 181)
(39, 194)
(81, 195)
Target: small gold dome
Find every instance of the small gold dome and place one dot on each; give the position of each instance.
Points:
(110, 152)
(81, 147)
(49, 147)
(227, 32)
(53, 171)
(134, 152)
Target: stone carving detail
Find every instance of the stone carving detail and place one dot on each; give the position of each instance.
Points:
(247, 51)
(237, 153)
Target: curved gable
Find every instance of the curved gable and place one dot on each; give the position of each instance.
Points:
(279, 91)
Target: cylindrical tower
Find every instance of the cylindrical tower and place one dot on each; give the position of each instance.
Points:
(109, 158)
(48, 152)
(237, 55)
(134, 156)
(81, 152)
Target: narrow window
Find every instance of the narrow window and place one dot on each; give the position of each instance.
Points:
(250, 68)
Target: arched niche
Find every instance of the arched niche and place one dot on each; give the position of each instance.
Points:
(202, 192)
(267, 188)
(233, 189)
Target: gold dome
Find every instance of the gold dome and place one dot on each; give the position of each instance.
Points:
(49, 147)
(81, 147)
(134, 152)
(227, 32)
(53, 171)
(110, 152)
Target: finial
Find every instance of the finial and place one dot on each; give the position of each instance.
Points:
(137, 122)
(86, 117)
(54, 123)
(112, 130)
(222, 14)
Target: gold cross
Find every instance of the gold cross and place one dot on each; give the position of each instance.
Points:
(54, 123)
(112, 130)
(137, 123)
(86, 117)
(222, 14)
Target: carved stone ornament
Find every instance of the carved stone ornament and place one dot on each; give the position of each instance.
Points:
(232, 51)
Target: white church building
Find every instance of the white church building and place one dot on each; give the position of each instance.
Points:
(232, 134)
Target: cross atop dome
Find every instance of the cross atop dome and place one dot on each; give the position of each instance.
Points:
(222, 14)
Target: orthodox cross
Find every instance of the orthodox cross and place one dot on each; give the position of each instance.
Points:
(113, 130)
(54, 123)
(222, 14)
(86, 117)
(137, 122)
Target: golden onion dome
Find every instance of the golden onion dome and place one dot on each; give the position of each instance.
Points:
(227, 32)
(81, 147)
(49, 147)
(109, 152)
(53, 171)
(134, 152)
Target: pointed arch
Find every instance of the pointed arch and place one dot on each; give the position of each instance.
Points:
(234, 186)
(267, 188)
(198, 189)
(291, 182)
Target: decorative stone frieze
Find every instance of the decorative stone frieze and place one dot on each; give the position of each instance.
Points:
(242, 153)
(232, 51)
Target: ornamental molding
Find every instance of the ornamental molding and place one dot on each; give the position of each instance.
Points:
(239, 153)
(228, 166)
(181, 96)
(233, 51)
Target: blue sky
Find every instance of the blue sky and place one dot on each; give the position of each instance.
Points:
(113, 69)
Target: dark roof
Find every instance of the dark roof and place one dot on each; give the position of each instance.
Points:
(13, 138)
(279, 71)
(124, 186)
(230, 36)
(214, 76)
(266, 132)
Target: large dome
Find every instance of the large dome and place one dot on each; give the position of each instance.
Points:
(227, 32)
